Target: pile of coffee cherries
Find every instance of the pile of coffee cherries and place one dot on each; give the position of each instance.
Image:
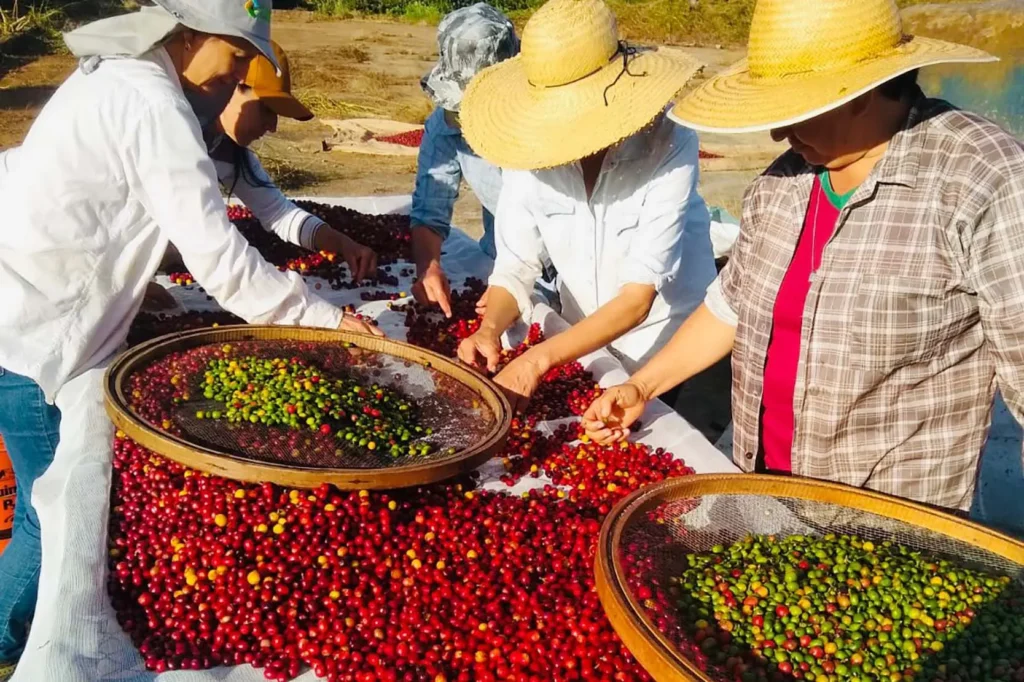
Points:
(830, 609)
(444, 583)
(183, 279)
(429, 329)
(413, 138)
(589, 474)
(387, 235)
(441, 583)
(381, 295)
(313, 263)
(296, 394)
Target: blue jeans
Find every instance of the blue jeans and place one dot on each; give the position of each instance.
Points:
(30, 430)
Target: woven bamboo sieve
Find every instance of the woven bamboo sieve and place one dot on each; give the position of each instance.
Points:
(726, 508)
(238, 467)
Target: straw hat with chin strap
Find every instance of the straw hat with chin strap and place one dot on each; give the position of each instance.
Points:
(573, 90)
(807, 57)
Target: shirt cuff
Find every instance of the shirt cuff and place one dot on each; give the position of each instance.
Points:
(719, 307)
(307, 232)
(441, 230)
(320, 313)
(519, 291)
(632, 272)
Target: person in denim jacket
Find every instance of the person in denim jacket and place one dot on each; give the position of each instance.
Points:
(470, 39)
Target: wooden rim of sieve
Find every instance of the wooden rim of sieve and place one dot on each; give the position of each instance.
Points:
(240, 468)
(659, 656)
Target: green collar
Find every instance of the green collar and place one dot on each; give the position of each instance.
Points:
(837, 200)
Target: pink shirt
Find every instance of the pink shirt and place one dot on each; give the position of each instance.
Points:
(784, 347)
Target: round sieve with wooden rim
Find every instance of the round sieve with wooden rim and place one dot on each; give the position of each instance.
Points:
(657, 526)
(464, 410)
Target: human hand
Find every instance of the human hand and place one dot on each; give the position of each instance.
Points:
(608, 418)
(351, 323)
(432, 287)
(361, 260)
(481, 350)
(520, 379)
(481, 303)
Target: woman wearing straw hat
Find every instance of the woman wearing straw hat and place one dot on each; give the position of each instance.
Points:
(875, 298)
(113, 167)
(469, 39)
(253, 111)
(597, 182)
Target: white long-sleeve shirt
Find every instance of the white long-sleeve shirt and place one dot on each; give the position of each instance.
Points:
(645, 224)
(113, 168)
(276, 212)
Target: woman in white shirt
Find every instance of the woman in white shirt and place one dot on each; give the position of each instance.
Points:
(113, 167)
(252, 112)
(598, 183)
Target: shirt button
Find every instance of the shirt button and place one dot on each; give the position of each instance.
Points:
(749, 455)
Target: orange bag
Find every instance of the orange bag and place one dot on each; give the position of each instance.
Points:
(8, 491)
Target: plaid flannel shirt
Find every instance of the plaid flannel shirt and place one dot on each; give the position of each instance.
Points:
(914, 318)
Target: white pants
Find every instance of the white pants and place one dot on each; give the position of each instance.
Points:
(75, 636)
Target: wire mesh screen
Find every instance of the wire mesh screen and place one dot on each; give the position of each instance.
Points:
(323, 405)
(706, 576)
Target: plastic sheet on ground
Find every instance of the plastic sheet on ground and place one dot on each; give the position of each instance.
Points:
(359, 136)
(75, 636)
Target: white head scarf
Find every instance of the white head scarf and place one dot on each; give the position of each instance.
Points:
(132, 35)
(128, 35)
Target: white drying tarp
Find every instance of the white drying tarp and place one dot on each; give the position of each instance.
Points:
(75, 636)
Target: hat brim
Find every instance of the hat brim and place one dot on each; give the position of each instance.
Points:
(284, 104)
(442, 91)
(519, 126)
(263, 45)
(194, 15)
(737, 102)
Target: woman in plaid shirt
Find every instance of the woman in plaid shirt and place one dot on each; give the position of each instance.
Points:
(875, 298)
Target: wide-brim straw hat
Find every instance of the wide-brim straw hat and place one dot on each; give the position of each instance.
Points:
(807, 58)
(573, 90)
